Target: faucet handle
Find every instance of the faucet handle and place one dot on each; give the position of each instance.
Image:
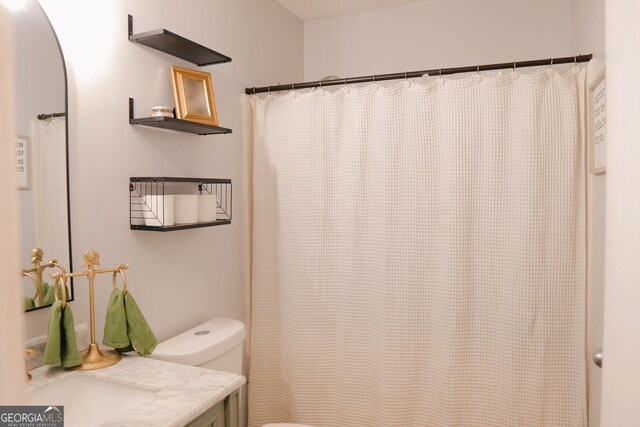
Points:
(29, 353)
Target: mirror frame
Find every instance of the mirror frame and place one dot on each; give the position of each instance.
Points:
(71, 295)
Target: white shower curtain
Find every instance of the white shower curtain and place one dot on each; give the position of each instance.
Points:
(418, 255)
(50, 188)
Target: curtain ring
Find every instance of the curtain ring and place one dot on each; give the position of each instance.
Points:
(374, 78)
(254, 90)
(478, 69)
(320, 81)
(550, 62)
(345, 81)
(269, 89)
(514, 65)
(405, 75)
(575, 60)
(124, 279)
(440, 72)
(293, 86)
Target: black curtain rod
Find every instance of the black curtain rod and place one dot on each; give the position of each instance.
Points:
(50, 116)
(414, 74)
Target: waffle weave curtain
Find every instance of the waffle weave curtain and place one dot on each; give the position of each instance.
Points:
(418, 255)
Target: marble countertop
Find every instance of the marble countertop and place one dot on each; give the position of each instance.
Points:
(183, 392)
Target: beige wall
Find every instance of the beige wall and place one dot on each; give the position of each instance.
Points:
(178, 278)
(436, 34)
(588, 36)
(621, 373)
(11, 320)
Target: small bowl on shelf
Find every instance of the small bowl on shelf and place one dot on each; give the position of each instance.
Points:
(161, 111)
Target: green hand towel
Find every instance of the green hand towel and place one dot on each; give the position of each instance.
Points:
(61, 345)
(28, 303)
(125, 327)
(48, 294)
(115, 325)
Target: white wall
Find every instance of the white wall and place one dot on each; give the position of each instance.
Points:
(434, 34)
(588, 36)
(621, 372)
(178, 278)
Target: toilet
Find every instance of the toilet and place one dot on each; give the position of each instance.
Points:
(216, 344)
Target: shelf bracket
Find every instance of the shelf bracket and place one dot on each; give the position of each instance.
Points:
(130, 26)
(130, 109)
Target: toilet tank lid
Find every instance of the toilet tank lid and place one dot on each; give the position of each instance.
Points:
(203, 343)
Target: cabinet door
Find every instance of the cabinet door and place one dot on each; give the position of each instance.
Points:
(213, 417)
(232, 410)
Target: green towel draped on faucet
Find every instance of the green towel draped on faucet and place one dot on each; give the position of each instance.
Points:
(125, 328)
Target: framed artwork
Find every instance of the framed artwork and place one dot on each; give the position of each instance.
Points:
(597, 123)
(193, 95)
(22, 165)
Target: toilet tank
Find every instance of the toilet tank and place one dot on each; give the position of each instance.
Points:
(216, 344)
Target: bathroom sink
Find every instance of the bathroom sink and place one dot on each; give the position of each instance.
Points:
(88, 400)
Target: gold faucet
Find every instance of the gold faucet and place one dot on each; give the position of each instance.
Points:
(29, 353)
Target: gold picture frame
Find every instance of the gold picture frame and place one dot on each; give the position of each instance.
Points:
(193, 95)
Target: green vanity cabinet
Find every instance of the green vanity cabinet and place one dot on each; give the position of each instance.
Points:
(223, 414)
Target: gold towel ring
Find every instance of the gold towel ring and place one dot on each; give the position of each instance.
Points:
(62, 281)
(120, 269)
(35, 284)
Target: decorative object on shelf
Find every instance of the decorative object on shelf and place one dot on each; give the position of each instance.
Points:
(161, 210)
(22, 163)
(161, 111)
(193, 95)
(186, 208)
(597, 122)
(178, 46)
(93, 357)
(207, 207)
(169, 204)
(172, 123)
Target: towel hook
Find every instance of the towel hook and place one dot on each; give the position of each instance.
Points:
(120, 269)
(62, 281)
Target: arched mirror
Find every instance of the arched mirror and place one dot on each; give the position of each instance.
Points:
(41, 154)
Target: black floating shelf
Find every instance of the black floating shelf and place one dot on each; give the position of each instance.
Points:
(179, 179)
(178, 46)
(181, 226)
(147, 207)
(172, 123)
